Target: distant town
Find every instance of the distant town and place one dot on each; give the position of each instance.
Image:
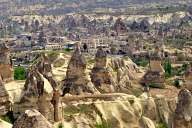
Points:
(95, 64)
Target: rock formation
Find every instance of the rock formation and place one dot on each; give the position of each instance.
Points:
(6, 70)
(119, 111)
(120, 26)
(144, 25)
(84, 21)
(37, 94)
(68, 22)
(32, 119)
(4, 99)
(77, 81)
(101, 75)
(155, 75)
(183, 113)
(45, 68)
(125, 73)
(164, 110)
(188, 78)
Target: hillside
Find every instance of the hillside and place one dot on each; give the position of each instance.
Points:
(57, 7)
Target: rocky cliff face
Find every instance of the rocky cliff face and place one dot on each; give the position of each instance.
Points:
(77, 81)
(112, 110)
(32, 119)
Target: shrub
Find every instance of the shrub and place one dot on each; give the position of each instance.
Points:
(102, 124)
(8, 117)
(161, 125)
(68, 50)
(142, 62)
(177, 83)
(153, 85)
(60, 125)
(19, 73)
(168, 68)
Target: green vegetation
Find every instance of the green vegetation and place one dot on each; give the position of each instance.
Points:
(19, 73)
(161, 125)
(53, 55)
(181, 70)
(142, 62)
(102, 124)
(153, 85)
(60, 125)
(168, 68)
(68, 50)
(85, 109)
(91, 61)
(137, 92)
(8, 117)
(71, 110)
(177, 83)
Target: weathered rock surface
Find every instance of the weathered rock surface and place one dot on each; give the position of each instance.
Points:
(183, 112)
(119, 111)
(124, 73)
(101, 76)
(163, 109)
(4, 99)
(45, 68)
(37, 94)
(188, 78)
(120, 26)
(6, 70)
(149, 107)
(32, 119)
(77, 81)
(155, 76)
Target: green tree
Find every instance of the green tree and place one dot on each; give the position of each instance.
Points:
(168, 68)
(19, 73)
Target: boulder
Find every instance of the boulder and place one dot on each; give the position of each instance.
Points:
(32, 119)
(183, 113)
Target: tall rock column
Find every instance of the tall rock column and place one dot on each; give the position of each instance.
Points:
(56, 104)
(6, 70)
(77, 81)
(4, 99)
(45, 68)
(101, 75)
(155, 76)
